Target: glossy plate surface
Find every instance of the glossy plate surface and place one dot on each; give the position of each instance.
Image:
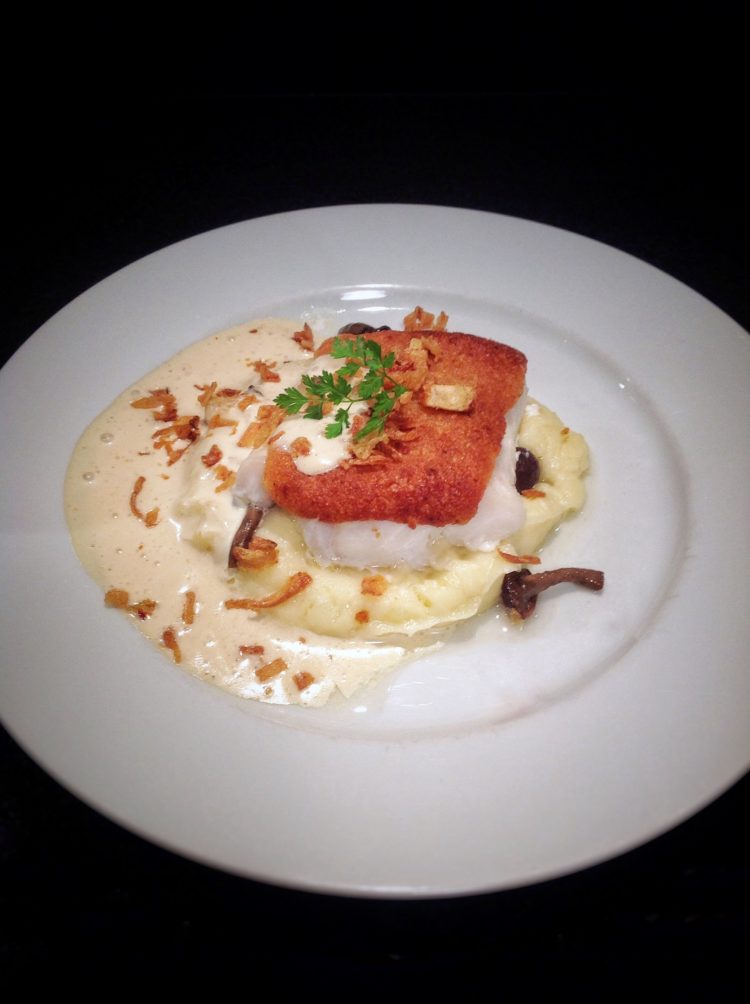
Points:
(504, 758)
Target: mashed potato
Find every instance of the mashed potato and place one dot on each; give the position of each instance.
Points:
(412, 601)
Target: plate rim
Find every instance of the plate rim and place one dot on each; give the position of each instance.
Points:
(60, 322)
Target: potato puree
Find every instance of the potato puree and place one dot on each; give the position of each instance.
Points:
(161, 532)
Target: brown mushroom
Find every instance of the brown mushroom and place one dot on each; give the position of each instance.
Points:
(246, 529)
(527, 469)
(360, 328)
(520, 589)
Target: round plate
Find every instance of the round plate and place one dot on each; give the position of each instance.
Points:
(508, 756)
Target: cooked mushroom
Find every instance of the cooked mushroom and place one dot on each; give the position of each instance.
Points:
(527, 469)
(360, 328)
(246, 529)
(520, 589)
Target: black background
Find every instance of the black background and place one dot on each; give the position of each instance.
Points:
(115, 154)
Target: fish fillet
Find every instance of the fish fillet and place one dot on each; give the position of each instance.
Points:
(439, 475)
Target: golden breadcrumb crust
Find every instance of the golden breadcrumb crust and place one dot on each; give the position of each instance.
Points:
(443, 460)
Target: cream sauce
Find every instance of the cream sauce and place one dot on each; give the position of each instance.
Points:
(120, 552)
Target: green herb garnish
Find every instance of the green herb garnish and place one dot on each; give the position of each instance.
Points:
(360, 353)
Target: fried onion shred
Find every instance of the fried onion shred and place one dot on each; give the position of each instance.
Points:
(259, 553)
(519, 559)
(422, 320)
(304, 338)
(161, 401)
(269, 670)
(169, 640)
(270, 417)
(294, 585)
(150, 518)
(188, 608)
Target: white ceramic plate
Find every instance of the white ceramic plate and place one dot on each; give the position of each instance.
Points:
(504, 759)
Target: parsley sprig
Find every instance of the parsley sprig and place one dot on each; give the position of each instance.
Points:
(338, 389)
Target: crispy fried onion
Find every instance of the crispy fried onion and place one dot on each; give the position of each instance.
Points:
(384, 446)
(207, 391)
(188, 608)
(245, 401)
(266, 371)
(410, 370)
(422, 320)
(152, 516)
(161, 401)
(270, 416)
(259, 553)
(213, 456)
(304, 338)
(413, 363)
(374, 585)
(533, 493)
(119, 599)
(300, 447)
(183, 429)
(225, 476)
(169, 640)
(251, 650)
(303, 680)
(519, 559)
(219, 421)
(270, 669)
(294, 585)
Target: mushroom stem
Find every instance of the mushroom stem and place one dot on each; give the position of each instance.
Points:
(246, 529)
(520, 589)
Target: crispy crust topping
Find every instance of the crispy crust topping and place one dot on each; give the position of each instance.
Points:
(432, 466)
